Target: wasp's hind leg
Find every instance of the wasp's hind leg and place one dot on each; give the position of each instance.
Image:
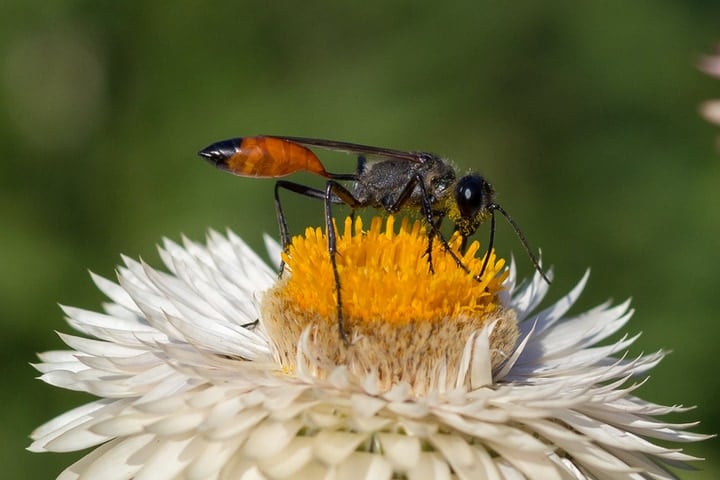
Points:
(336, 193)
(282, 223)
(333, 193)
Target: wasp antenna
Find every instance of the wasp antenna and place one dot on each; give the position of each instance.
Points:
(521, 237)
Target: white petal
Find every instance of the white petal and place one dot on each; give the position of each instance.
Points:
(403, 451)
(324, 419)
(239, 424)
(548, 317)
(291, 459)
(54, 429)
(123, 425)
(366, 405)
(165, 461)
(112, 460)
(533, 463)
(361, 465)
(430, 466)
(177, 424)
(334, 448)
(376, 423)
(270, 438)
(99, 348)
(274, 250)
(115, 292)
(212, 459)
(481, 366)
(457, 452)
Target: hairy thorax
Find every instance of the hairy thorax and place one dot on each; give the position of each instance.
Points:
(381, 184)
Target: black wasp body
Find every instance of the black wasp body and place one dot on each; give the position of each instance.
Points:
(379, 184)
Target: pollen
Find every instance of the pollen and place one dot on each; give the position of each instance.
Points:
(385, 275)
(408, 314)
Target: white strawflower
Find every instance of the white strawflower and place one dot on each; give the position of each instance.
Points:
(220, 370)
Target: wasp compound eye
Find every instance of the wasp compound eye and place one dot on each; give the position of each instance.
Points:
(473, 194)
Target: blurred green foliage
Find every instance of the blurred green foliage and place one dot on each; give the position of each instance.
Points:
(583, 114)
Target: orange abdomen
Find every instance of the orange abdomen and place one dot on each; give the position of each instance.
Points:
(263, 157)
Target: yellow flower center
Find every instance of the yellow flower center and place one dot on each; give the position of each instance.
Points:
(407, 317)
(385, 275)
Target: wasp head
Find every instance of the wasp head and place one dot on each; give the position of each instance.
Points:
(473, 197)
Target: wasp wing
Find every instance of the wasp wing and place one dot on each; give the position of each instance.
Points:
(364, 150)
(271, 156)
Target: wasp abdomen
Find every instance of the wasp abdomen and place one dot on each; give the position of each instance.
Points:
(262, 157)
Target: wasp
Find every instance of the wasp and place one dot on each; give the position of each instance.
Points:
(385, 178)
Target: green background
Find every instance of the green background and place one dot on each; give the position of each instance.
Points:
(583, 115)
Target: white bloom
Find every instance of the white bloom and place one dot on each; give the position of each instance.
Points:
(190, 385)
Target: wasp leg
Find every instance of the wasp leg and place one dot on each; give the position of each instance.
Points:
(428, 250)
(426, 209)
(433, 219)
(282, 223)
(490, 246)
(431, 236)
(361, 165)
(336, 193)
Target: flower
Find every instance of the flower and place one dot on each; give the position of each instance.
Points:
(710, 109)
(217, 369)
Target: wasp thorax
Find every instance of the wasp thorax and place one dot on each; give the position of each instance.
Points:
(473, 195)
